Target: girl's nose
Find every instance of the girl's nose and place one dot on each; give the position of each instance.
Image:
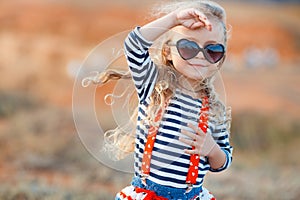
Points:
(200, 55)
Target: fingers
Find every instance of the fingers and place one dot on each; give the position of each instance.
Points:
(196, 139)
(193, 19)
(197, 130)
(204, 20)
(196, 134)
(197, 25)
(187, 151)
(187, 141)
(189, 134)
(192, 143)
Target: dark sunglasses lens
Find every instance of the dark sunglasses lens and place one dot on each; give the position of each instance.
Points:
(187, 49)
(214, 52)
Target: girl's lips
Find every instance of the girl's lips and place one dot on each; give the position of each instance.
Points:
(198, 65)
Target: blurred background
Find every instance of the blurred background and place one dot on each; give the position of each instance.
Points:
(43, 44)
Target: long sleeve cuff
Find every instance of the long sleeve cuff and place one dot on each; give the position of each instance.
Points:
(226, 164)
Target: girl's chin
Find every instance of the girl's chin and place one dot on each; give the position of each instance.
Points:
(196, 76)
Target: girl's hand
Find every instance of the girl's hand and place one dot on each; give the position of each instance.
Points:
(203, 143)
(193, 19)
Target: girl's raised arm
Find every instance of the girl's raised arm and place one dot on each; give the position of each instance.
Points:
(190, 18)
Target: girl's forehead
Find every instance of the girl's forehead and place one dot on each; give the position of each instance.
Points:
(201, 35)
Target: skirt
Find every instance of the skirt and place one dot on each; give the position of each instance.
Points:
(153, 191)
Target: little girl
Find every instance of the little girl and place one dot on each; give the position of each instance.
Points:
(182, 128)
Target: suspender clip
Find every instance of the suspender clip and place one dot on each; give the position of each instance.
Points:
(189, 188)
(143, 178)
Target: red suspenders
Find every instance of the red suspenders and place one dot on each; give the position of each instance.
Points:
(194, 159)
(149, 146)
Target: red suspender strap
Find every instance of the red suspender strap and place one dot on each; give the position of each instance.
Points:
(195, 158)
(149, 146)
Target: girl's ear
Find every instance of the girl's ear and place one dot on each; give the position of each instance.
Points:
(166, 52)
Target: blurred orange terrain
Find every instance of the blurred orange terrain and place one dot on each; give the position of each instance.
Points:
(40, 39)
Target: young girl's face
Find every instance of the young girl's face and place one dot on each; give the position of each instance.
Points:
(199, 67)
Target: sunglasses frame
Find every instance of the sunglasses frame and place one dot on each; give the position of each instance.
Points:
(203, 50)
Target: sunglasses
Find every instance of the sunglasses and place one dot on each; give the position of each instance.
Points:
(187, 49)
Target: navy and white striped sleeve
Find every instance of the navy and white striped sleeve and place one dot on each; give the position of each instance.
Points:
(221, 135)
(144, 71)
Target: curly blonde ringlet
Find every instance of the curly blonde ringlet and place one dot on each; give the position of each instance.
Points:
(120, 141)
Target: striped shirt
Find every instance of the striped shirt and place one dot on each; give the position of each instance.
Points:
(169, 163)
